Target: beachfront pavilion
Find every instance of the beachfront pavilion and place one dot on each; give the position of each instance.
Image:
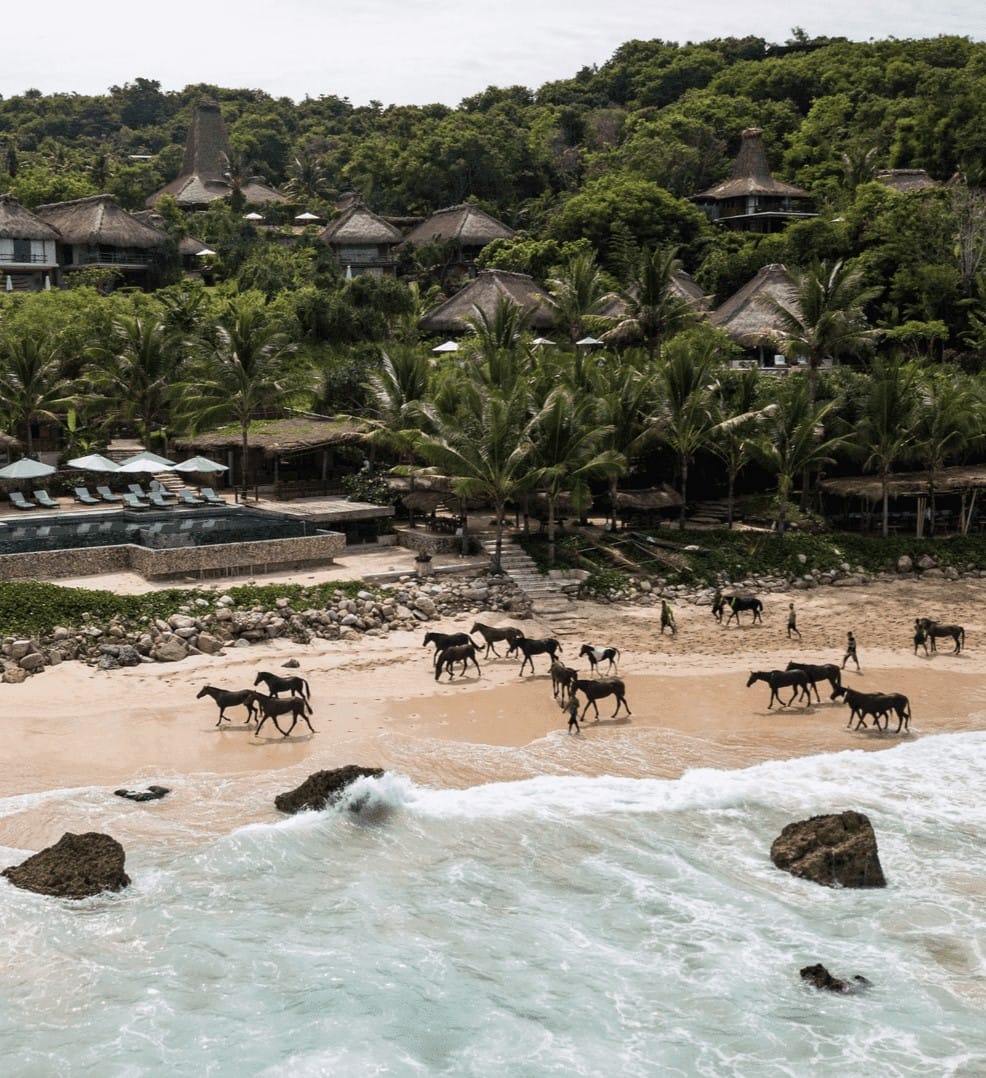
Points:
(856, 502)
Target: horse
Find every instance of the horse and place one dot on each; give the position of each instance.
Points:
(492, 635)
(737, 604)
(563, 679)
(276, 684)
(876, 704)
(934, 631)
(230, 698)
(528, 647)
(597, 655)
(596, 690)
(464, 653)
(781, 679)
(445, 640)
(270, 707)
(829, 672)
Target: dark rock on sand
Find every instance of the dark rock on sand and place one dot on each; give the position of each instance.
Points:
(77, 866)
(819, 977)
(291, 664)
(837, 850)
(322, 788)
(152, 793)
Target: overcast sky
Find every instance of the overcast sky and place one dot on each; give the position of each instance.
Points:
(403, 51)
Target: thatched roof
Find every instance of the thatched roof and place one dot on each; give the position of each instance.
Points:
(654, 498)
(908, 484)
(277, 437)
(99, 220)
(17, 223)
(682, 284)
(206, 162)
(751, 174)
(465, 223)
(747, 318)
(8, 441)
(358, 225)
(483, 293)
(905, 180)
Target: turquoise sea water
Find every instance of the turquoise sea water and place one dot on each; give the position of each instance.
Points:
(560, 925)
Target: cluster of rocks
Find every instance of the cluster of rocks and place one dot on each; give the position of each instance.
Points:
(208, 625)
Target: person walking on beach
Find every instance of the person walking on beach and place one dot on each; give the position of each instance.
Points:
(573, 714)
(667, 618)
(850, 651)
(792, 622)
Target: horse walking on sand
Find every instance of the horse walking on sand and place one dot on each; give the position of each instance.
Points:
(783, 679)
(529, 648)
(295, 685)
(230, 698)
(270, 707)
(737, 604)
(445, 640)
(457, 653)
(816, 672)
(596, 690)
(493, 634)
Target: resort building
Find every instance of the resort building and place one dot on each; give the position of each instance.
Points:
(483, 295)
(28, 260)
(750, 319)
(464, 230)
(362, 241)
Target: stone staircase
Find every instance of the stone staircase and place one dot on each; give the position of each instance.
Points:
(549, 600)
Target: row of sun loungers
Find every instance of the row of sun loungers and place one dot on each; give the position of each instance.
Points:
(134, 498)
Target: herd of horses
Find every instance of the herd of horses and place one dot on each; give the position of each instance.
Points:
(267, 705)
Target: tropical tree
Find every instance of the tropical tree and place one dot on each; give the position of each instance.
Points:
(792, 439)
(656, 310)
(396, 391)
(33, 385)
(887, 433)
(577, 293)
(245, 373)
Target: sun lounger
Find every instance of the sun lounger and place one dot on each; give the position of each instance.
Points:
(20, 501)
(82, 495)
(107, 495)
(131, 501)
(45, 500)
(155, 486)
(211, 496)
(160, 500)
(186, 497)
(137, 489)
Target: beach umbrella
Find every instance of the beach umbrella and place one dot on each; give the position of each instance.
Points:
(543, 341)
(201, 465)
(26, 468)
(94, 462)
(446, 346)
(147, 455)
(589, 342)
(139, 466)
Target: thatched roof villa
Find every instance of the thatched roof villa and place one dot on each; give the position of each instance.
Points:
(362, 241)
(748, 317)
(28, 255)
(484, 293)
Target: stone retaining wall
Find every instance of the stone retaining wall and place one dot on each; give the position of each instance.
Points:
(262, 556)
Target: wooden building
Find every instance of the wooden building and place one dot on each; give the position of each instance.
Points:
(464, 230)
(749, 318)
(483, 294)
(28, 258)
(362, 241)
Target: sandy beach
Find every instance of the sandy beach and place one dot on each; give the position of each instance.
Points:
(376, 703)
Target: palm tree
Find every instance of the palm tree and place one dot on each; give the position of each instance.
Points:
(136, 372)
(793, 439)
(825, 317)
(244, 374)
(568, 437)
(887, 428)
(32, 384)
(656, 310)
(396, 392)
(483, 444)
(578, 293)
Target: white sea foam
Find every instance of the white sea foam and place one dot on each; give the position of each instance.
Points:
(559, 925)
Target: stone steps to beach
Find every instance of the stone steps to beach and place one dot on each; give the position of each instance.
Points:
(549, 601)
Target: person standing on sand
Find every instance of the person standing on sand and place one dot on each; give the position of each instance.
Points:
(850, 651)
(792, 622)
(573, 714)
(667, 618)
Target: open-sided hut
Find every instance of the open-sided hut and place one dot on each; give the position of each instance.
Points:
(27, 248)
(483, 294)
(645, 508)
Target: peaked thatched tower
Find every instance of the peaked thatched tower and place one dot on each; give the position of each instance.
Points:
(204, 173)
(752, 200)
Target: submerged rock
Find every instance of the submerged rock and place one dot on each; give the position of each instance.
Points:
(836, 850)
(322, 788)
(77, 866)
(819, 977)
(152, 793)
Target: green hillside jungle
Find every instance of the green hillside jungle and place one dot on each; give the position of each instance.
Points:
(594, 173)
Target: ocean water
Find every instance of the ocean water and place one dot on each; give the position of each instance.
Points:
(553, 926)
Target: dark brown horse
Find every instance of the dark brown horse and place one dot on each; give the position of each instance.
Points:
(936, 632)
(596, 690)
(529, 648)
(270, 707)
(230, 698)
(493, 635)
(275, 684)
(783, 679)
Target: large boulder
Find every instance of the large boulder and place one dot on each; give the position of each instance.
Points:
(77, 866)
(322, 788)
(837, 850)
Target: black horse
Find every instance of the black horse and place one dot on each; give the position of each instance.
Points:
(493, 635)
(445, 640)
(297, 686)
(737, 604)
(875, 704)
(816, 672)
(935, 631)
(230, 698)
(528, 648)
(270, 707)
(457, 653)
(596, 690)
(782, 679)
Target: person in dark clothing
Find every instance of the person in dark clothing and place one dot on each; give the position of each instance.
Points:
(850, 651)
(792, 622)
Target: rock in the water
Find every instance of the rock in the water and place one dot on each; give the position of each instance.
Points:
(77, 866)
(820, 978)
(322, 788)
(837, 850)
(152, 793)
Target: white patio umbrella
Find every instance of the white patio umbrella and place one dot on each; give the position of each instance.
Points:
(137, 466)
(26, 468)
(147, 455)
(543, 341)
(202, 465)
(589, 342)
(94, 462)
(446, 346)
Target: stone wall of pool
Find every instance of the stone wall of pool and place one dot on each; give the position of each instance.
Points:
(219, 559)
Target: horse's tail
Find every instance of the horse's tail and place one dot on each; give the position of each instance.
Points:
(304, 685)
(962, 635)
(306, 708)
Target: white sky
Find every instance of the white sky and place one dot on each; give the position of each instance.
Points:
(403, 51)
